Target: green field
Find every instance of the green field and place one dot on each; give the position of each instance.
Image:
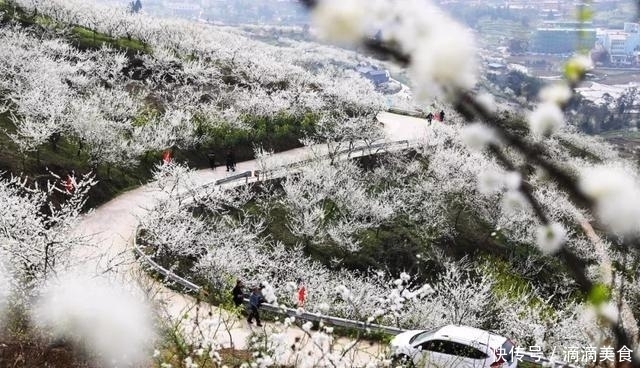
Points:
(499, 31)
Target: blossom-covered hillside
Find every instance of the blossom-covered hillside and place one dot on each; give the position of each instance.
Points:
(346, 218)
(118, 90)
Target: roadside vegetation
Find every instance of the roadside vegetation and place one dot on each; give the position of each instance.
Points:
(510, 221)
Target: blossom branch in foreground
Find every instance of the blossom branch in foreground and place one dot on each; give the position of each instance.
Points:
(544, 124)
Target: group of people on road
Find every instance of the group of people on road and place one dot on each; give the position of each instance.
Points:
(229, 158)
(439, 116)
(256, 298)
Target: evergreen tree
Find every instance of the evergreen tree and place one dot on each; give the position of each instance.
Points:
(135, 6)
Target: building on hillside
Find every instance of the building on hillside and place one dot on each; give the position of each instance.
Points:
(622, 45)
(495, 69)
(562, 37)
(182, 9)
(282, 12)
(377, 76)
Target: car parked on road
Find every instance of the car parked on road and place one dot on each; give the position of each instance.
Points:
(453, 346)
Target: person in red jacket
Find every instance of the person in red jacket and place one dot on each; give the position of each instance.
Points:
(301, 294)
(166, 157)
(69, 183)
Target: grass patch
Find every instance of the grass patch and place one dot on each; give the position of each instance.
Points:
(85, 38)
(497, 31)
(81, 37)
(64, 157)
(621, 134)
(579, 151)
(65, 154)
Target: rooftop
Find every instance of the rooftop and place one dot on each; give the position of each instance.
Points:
(567, 29)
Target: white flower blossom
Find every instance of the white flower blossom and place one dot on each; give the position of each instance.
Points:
(4, 287)
(322, 340)
(323, 307)
(425, 290)
(265, 361)
(405, 276)
(289, 321)
(557, 93)
(490, 181)
(437, 68)
(102, 315)
(550, 238)
(514, 202)
(291, 286)
(343, 21)
(188, 363)
(512, 180)
(268, 293)
(545, 120)
(344, 292)
(609, 311)
(477, 136)
(488, 101)
(604, 182)
(307, 326)
(617, 197)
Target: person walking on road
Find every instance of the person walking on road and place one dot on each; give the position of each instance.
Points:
(255, 300)
(238, 294)
(212, 160)
(442, 115)
(301, 294)
(429, 117)
(230, 161)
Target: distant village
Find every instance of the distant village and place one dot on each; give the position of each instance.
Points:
(557, 34)
(553, 33)
(283, 12)
(611, 46)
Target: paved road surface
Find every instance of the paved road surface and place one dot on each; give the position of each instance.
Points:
(113, 225)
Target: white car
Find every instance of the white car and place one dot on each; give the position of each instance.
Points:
(453, 346)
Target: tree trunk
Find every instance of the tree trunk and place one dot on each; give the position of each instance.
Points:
(46, 260)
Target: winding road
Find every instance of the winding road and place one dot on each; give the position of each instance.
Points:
(112, 229)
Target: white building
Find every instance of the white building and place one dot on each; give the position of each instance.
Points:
(182, 8)
(622, 45)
